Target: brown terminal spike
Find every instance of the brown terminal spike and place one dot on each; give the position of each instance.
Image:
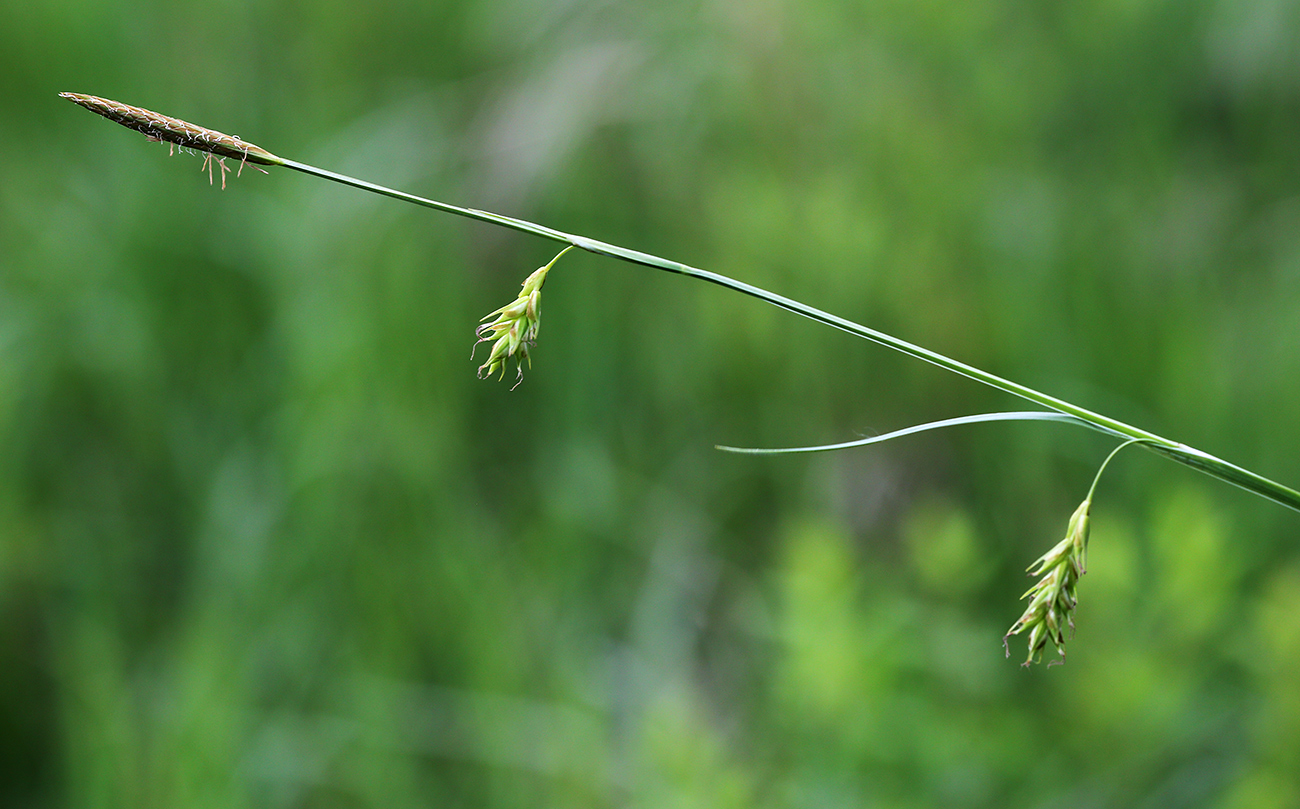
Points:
(175, 131)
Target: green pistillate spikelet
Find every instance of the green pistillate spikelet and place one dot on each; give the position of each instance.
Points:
(216, 146)
(1054, 596)
(514, 330)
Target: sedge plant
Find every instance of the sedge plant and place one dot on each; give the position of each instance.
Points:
(512, 332)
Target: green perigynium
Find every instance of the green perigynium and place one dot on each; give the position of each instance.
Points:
(1054, 596)
(514, 330)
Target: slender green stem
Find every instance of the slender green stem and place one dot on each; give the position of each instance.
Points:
(221, 147)
(1097, 479)
(1209, 464)
(471, 213)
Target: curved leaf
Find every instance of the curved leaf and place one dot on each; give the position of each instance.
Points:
(1022, 415)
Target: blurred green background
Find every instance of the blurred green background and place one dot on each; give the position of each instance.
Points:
(266, 541)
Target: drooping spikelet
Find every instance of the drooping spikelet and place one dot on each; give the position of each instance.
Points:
(514, 327)
(1054, 597)
(514, 330)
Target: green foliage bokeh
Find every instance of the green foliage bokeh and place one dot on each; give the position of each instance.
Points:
(266, 541)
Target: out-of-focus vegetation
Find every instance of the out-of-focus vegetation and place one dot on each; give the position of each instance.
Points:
(266, 541)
